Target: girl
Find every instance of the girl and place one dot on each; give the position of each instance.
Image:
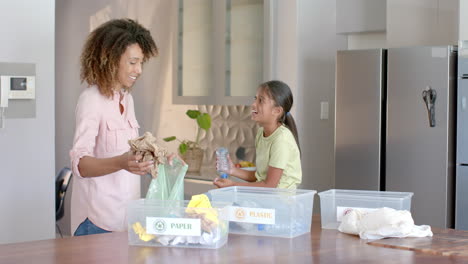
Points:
(277, 145)
(105, 173)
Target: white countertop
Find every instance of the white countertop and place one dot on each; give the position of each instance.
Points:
(205, 174)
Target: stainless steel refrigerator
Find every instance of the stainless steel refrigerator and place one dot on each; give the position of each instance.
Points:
(359, 126)
(461, 205)
(395, 126)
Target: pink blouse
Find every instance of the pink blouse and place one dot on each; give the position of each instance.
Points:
(102, 132)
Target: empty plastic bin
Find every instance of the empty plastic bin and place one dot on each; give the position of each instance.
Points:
(172, 224)
(334, 203)
(267, 211)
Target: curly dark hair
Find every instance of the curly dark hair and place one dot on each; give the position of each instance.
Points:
(104, 47)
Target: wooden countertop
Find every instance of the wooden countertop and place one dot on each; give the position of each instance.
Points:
(319, 246)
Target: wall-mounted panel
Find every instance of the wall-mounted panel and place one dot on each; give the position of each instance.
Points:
(19, 108)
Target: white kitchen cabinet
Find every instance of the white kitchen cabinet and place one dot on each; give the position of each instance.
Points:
(359, 16)
(422, 22)
(220, 50)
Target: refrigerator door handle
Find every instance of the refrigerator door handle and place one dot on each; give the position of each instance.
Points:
(429, 96)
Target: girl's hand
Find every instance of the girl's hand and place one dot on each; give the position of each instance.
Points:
(135, 165)
(231, 165)
(221, 183)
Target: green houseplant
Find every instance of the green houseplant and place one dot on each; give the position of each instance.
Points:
(190, 150)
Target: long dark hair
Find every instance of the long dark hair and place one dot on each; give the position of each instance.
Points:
(282, 95)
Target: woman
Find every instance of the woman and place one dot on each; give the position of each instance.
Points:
(106, 174)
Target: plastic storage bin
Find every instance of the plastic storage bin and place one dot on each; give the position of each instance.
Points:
(173, 224)
(267, 211)
(334, 203)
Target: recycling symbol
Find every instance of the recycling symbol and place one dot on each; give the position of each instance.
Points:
(160, 226)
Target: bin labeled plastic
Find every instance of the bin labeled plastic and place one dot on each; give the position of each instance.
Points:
(267, 211)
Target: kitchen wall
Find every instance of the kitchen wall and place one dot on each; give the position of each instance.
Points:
(27, 154)
(317, 45)
(367, 40)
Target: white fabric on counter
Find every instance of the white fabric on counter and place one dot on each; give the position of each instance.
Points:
(381, 223)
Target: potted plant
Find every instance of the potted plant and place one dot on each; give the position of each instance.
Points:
(191, 151)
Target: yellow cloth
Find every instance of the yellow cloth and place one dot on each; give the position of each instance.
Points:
(279, 150)
(202, 202)
(141, 232)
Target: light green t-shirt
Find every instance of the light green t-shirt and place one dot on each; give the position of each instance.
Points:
(279, 150)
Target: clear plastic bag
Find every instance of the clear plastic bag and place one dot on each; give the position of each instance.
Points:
(169, 185)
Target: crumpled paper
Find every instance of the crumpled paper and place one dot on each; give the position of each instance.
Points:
(147, 146)
(381, 223)
(200, 207)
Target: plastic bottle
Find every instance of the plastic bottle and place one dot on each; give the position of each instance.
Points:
(223, 162)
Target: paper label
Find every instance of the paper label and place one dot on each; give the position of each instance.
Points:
(252, 215)
(341, 211)
(173, 226)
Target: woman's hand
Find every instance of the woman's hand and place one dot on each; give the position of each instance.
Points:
(231, 166)
(135, 165)
(170, 158)
(221, 183)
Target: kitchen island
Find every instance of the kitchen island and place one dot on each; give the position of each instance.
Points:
(319, 246)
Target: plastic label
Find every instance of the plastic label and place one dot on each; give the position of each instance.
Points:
(173, 226)
(341, 211)
(252, 215)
